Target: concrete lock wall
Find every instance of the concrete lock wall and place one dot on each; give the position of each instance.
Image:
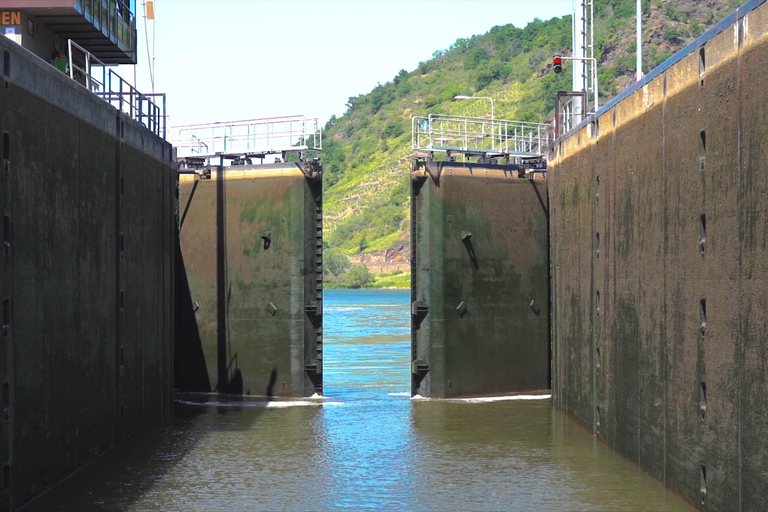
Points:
(86, 197)
(658, 233)
(252, 249)
(480, 302)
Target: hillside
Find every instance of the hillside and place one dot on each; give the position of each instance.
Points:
(367, 150)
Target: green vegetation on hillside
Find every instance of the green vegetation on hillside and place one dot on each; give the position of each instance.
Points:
(367, 150)
(397, 279)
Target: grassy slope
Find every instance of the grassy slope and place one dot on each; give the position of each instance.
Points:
(399, 281)
(367, 150)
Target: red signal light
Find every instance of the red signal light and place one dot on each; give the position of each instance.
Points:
(557, 64)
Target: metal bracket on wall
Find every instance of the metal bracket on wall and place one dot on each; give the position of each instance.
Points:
(462, 309)
(419, 367)
(419, 308)
(314, 308)
(419, 167)
(272, 309)
(315, 367)
(267, 238)
(313, 169)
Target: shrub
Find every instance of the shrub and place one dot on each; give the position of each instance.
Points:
(335, 262)
(392, 130)
(358, 276)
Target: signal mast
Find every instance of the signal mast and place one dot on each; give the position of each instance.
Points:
(585, 75)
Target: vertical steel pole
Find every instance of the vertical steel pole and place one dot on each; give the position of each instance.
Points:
(639, 72)
(592, 50)
(88, 69)
(71, 69)
(221, 280)
(583, 48)
(164, 119)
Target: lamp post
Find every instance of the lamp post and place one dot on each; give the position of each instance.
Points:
(476, 98)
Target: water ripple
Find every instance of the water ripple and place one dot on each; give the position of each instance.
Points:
(364, 445)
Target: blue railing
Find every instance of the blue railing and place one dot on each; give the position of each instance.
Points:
(140, 106)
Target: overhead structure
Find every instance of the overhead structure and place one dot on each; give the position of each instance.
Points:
(479, 137)
(250, 138)
(106, 29)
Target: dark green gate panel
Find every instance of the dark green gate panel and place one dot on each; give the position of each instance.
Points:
(480, 290)
(252, 247)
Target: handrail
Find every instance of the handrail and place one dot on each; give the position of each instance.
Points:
(140, 107)
(263, 135)
(91, 84)
(479, 135)
(118, 92)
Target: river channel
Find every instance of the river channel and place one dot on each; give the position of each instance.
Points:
(366, 445)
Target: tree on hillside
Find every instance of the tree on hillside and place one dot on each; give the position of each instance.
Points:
(363, 244)
(335, 262)
(358, 276)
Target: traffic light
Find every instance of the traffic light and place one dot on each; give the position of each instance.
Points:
(557, 63)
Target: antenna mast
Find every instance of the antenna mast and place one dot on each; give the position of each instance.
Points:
(583, 44)
(585, 75)
(149, 13)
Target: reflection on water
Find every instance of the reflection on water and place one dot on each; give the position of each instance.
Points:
(367, 446)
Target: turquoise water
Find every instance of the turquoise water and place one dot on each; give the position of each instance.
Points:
(367, 447)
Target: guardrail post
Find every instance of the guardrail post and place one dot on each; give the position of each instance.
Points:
(120, 101)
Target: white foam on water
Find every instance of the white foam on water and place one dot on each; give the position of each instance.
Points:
(485, 399)
(291, 403)
(404, 393)
(276, 404)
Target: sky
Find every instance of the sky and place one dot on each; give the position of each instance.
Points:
(238, 59)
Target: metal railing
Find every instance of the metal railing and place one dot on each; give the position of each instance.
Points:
(570, 107)
(111, 87)
(269, 135)
(196, 145)
(139, 106)
(473, 135)
(84, 75)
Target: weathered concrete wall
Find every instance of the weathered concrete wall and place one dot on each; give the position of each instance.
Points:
(660, 269)
(480, 304)
(85, 276)
(252, 247)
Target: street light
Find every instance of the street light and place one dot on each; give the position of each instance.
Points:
(476, 98)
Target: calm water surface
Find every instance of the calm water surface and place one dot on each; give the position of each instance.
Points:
(368, 446)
